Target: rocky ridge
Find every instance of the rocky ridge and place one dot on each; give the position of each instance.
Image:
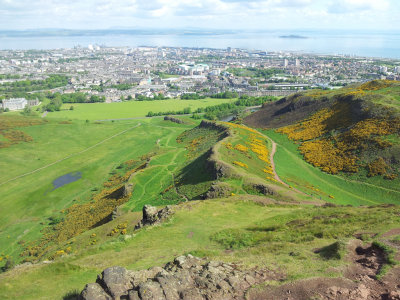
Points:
(186, 278)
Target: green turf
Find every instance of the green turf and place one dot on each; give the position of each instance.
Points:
(278, 237)
(129, 109)
(91, 148)
(295, 171)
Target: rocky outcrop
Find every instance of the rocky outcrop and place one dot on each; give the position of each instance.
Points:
(172, 119)
(219, 190)
(151, 215)
(187, 277)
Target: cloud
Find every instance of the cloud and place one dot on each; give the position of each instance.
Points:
(235, 14)
(357, 6)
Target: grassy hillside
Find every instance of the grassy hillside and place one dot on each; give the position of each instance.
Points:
(351, 133)
(235, 199)
(129, 109)
(58, 148)
(219, 229)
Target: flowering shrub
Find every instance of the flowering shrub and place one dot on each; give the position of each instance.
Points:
(240, 164)
(334, 153)
(241, 148)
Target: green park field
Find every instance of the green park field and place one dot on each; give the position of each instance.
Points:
(129, 109)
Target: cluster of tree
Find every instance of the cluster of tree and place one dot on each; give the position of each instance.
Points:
(225, 95)
(9, 76)
(185, 111)
(53, 81)
(255, 72)
(122, 86)
(192, 96)
(56, 100)
(221, 110)
(159, 96)
(254, 101)
(77, 97)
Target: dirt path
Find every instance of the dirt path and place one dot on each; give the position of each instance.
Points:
(276, 176)
(69, 156)
(271, 158)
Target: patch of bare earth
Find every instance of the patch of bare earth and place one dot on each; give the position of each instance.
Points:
(359, 281)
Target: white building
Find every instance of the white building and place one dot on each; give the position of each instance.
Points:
(397, 69)
(383, 69)
(15, 103)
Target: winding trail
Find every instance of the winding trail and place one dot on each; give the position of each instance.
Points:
(276, 176)
(271, 159)
(71, 155)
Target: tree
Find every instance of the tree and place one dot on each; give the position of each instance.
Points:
(129, 97)
(122, 98)
(71, 108)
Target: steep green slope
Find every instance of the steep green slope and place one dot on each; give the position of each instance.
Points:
(351, 133)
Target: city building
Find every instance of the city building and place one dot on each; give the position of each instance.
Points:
(14, 103)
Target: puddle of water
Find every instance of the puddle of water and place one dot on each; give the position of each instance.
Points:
(65, 179)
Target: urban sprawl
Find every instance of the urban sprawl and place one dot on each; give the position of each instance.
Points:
(114, 74)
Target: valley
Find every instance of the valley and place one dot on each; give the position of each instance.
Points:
(289, 189)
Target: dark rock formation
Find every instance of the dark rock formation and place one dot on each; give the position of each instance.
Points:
(128, 189)
(152, 216)
(219, 190)
(172, 119)
(187, 277)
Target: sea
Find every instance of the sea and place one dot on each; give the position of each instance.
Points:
(378, 44)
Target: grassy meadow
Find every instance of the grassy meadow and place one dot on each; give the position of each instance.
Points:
(94, 149)
(129, 109)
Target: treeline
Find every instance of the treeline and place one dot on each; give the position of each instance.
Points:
(255, 72)
(9, 76)
(185, 111)
(159, 96)
(223, 95)
(219, 111)
(57, 99)
(53, 81)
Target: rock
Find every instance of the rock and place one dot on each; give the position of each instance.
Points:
(116, 281)
(93, 291)
(263, 189)
(151, 290)
(170, 286)
(172, 119)
(128, 189)
(186, 277)
(152, 216)
(219, 190)
(394, 295)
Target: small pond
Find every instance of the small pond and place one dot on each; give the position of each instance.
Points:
(65, 179)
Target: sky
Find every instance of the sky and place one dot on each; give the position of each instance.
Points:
(205, 14)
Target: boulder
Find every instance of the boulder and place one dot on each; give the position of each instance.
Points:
(152, 216)
(94, 291)
(115, 281)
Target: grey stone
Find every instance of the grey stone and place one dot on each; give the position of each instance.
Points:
(151, 290)
(116, 281)
(93, 291)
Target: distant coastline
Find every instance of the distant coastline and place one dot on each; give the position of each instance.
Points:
(293, 36)
(382, 44)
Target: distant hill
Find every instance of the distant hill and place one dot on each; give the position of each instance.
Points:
(351, 130)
